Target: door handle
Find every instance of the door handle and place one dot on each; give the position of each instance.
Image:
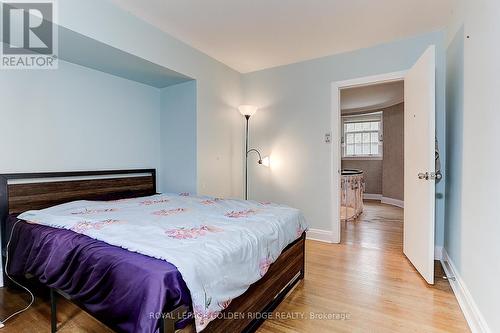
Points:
(422, 175)
(431, 175)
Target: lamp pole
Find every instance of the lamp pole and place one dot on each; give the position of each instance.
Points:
(246, 158)
(247, 111)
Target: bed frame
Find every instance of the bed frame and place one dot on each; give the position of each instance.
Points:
(24, 191)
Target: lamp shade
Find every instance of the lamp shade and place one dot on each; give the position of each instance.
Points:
(247, 110)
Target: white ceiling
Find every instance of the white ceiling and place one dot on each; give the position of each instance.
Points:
(249, 35)
(377, 96)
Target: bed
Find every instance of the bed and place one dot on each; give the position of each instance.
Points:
(98, 282)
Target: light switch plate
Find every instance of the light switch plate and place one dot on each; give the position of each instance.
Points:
(328, 137)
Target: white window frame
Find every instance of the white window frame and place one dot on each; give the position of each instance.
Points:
(371, 117)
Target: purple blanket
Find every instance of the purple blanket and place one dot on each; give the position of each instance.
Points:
(121, 288)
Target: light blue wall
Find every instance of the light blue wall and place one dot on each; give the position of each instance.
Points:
(219, 131)
(295, 114)
(178, 144)
(454, 146)
(472, 222)
(75, 118)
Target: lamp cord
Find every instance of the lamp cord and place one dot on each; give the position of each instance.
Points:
(20, 285)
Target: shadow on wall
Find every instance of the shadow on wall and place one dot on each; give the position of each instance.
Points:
(454, 145)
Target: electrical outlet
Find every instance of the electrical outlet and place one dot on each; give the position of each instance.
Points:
(328, 137)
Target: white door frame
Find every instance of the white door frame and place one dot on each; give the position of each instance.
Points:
(336, 154)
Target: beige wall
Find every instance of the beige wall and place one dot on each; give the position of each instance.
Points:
(386, 176)
(373, 173)
(393, 163)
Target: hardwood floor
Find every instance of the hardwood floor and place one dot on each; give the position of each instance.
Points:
(368, 277)
(364, 284)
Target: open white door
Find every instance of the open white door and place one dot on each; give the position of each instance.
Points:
(419, 164)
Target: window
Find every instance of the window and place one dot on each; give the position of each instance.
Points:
(362, 136)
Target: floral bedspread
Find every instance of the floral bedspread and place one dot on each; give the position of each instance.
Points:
(220, 246)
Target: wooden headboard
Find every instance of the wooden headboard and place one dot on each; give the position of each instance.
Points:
(20, 192)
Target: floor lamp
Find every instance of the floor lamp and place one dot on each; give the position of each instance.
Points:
(247, 111)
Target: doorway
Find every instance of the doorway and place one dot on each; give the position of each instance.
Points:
(372, 165)
(419, 157)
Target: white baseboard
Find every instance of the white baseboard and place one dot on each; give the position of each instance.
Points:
(393, 202)
(475, 319)
(384, 200)
(438, 253)
(320, 235)
(370, 196)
